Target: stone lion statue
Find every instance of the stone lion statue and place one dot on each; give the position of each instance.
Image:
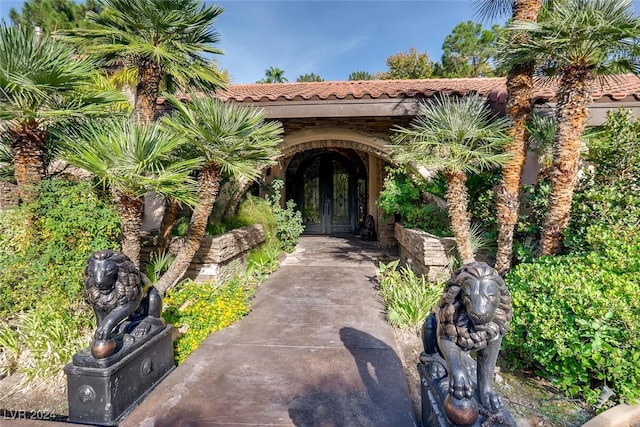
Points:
(473, 314)
(117, 291)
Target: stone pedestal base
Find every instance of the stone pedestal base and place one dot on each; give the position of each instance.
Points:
(434, 391)
(103, 395)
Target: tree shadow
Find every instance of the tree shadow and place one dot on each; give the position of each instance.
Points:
(383, 401)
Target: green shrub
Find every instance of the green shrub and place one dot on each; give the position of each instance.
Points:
(45, 259)
(202, 309)
(262, 261)
(405, 197)
(577, 317)
(408, 297)
(608, 196)
(603, 207)
(288, 220)
(181, 227)
(535, 201)
(46, 338)
(42, 262)
(256, 210)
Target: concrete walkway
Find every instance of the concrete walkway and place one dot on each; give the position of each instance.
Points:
(314, 351)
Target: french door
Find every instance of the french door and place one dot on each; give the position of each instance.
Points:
(328, 195)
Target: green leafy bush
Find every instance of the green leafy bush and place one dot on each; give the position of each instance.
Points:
(42, 260)
(46, 338)
(601, 207)
(255, 210)
(408, 297)
(45, 259)
(608, 197)
(577, 317)
(535, 201)
(405, 197)
(202, 309)
(288, 220)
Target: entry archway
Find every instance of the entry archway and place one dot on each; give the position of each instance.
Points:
(330, 189)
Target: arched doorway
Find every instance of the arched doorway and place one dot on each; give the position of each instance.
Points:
(329, 187)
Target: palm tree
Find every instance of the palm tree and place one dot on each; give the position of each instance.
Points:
(311, 77)
(518, 109)
(274, 75)
(131, 159)
(42, 82)
(231, 139)
(360, 75)
(164, 40)
(6, 164)
(457, 136)
(579, 41)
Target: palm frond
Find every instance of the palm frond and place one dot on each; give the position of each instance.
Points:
(489, 9)
(458, 134)
(131, 158)
(600, 35)
(6, 161)
(235, 138)
(542, 132)
(174, 34)
(44, 80)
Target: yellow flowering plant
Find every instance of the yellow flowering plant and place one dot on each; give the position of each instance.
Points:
(201, 309)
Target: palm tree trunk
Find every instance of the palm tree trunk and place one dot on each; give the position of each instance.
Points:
(28, 150)
(457, 202)
(236, 198)
(519, 100)
(574, 97)
(208, 186)
(520, 93)
(131, 210)
(171, 209)
(229, 198)
(227, 189)
(150, 76)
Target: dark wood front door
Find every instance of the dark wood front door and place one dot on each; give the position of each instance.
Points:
(328, 195)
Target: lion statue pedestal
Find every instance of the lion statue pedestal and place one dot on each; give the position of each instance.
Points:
(132, 350)
(472, 315)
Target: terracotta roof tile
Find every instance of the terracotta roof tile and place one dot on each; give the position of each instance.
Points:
(616, 88)
(366, 89)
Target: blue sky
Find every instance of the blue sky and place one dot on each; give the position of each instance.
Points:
(328, 38)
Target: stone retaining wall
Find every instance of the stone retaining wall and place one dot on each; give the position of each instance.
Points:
(220, 257)
(425, 253)
(386, 231)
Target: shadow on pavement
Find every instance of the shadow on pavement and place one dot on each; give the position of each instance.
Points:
(335, 403)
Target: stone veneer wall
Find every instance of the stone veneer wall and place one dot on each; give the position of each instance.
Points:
(386, 231)
(425, 253)
(220, 257)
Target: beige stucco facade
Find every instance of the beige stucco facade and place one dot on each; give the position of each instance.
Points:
(362, 141)
(355, 120)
